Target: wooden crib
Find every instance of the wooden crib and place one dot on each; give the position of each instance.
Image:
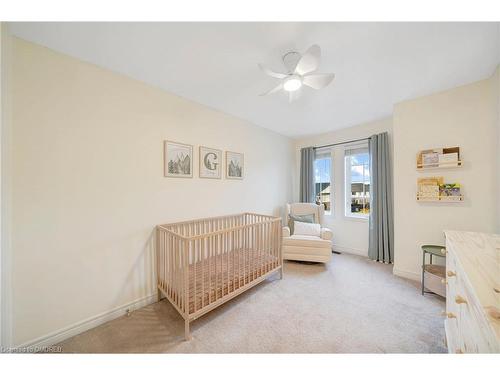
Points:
(203, 263)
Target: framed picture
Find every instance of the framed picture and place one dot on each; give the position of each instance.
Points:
(234, 165)
(210, 162)
(178, 159)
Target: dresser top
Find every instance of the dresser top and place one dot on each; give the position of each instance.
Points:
(479, 258)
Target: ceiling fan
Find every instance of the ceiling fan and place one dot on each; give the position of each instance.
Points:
(301, 68)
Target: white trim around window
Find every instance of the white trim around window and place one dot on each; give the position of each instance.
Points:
(363, 195)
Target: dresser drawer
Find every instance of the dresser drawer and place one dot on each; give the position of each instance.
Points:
(471, 276)
(476, 332)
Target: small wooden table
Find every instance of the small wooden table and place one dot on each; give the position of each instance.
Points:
(435, 271)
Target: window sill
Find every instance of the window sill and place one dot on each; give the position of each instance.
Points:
(357, 217)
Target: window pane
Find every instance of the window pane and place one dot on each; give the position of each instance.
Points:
(322, 168)
(357, 173)
(359, 183)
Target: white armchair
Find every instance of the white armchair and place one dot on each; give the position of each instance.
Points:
(307, 248)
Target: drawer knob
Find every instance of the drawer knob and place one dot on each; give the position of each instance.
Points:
(448, 314)
(451, 273)
(497, 290)
(460, 299)
(443, 251)
(493, 312)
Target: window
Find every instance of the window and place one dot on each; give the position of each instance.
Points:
(357, 177)
(322, 179)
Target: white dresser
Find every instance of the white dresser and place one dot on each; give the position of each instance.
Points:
(473, 292)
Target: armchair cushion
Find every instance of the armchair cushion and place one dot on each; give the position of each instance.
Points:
(307, 229)
(302, 218)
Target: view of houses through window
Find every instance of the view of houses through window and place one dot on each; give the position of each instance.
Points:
(322, 179)
(357, 176)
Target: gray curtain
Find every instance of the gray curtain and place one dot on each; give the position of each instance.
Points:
(307, 175)
(381, 236)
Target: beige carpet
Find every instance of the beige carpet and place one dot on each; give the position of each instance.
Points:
(351, 305)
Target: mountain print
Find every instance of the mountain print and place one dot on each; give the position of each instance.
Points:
(234, 169)
(234, 165)
(181, 164)
(178, 160)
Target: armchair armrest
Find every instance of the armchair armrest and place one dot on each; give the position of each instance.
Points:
(285, 232)
(326, 234)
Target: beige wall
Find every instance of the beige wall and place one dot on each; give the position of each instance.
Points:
(2, 298)
(465, 117)
(350, 235)
(496, 90)
(88, 185)
(5, 259)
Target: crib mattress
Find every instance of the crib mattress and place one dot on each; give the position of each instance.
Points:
(223, 274)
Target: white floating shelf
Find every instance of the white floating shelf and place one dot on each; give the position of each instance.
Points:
(442, 198)
(443, 165)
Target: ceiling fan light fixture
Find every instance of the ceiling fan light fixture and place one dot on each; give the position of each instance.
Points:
(292, 83)
(301, 72)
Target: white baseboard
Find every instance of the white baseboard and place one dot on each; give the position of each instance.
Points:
(407, 274)
(84, 325)
(350, 250)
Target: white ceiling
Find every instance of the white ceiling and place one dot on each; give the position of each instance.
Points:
(376, 64)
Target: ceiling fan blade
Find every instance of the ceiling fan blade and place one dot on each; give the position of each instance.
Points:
(272, 91)
(309, 61)
(318, 81)
(294, 95)
(271, 73)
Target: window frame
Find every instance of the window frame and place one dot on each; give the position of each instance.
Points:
(325, 154)
(348, 182)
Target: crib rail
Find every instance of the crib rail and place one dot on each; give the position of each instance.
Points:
(203, 263)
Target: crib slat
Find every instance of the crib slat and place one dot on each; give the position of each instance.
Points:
(187, 255)
(255, 246)
(178, 253)
(168, 247)
(179, 271)
(217, 261)
(263, 248)
(171, 265)
(209, 243)
(174, 269)
(175, 254)
(270, 247)
(226, 243)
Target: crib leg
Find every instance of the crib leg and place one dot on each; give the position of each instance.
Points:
(159, 296)
(187, 334)
(281, 273)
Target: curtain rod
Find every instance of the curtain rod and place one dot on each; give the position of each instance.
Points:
(342, 143)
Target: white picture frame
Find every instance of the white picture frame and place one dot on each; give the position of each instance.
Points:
(235, 165)
(210, 163)
(178, 159)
